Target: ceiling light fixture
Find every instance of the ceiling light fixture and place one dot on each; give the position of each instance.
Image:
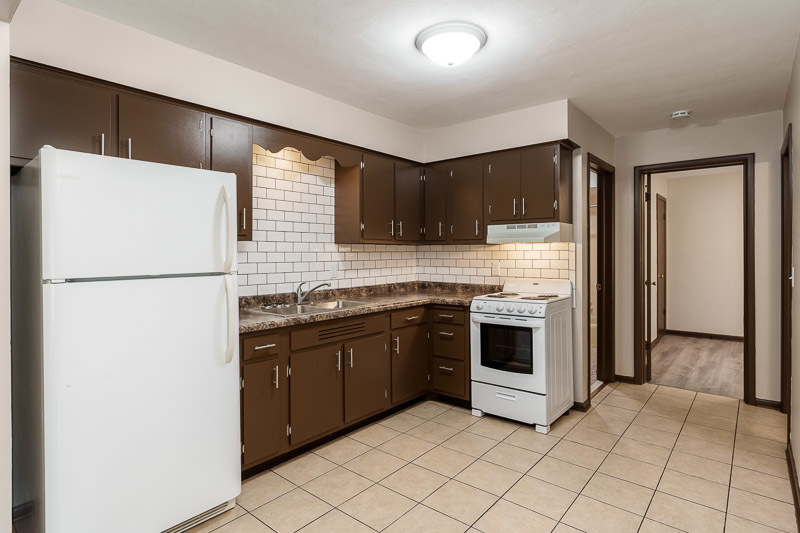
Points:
(451, 43)
(683, 113)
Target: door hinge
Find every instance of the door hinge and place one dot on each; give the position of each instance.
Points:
(362, 226)
(647, 197)
(362, 165)
(555, 158)
(555, 205)
(490, 209)
(791, 278)
(241, 385)
(242, 449)
(288, 430)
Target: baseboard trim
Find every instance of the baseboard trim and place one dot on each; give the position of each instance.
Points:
(582, 406)
(701, 335)
(625, 379)
(22, 511)
(655, 341)
(770, 404)
(793, 482)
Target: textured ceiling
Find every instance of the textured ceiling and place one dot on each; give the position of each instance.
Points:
(626, 63)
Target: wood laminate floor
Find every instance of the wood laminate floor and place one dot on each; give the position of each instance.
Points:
(702, 365)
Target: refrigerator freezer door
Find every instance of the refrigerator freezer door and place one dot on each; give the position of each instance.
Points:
(141, 413)
(105, 217)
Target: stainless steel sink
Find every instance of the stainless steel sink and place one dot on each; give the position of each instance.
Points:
(292, 310)
(337, 304)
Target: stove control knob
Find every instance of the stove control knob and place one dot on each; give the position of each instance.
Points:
(499, 307)
(478, 306)
(520, 308)
(531, 310)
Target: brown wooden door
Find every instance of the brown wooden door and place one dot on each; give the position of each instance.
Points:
(661, 265)
(366, 377)
(408, 202)
(232, 151)
(377, 198)
(316, 402)
(503, 183)
(66, 114)
(261, 410)
(436, 180)
(151, 130)
(539, 183)
(410, 362)
(465, 197)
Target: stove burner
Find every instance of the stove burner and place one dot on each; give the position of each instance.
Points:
(541, 297)
(503, 295)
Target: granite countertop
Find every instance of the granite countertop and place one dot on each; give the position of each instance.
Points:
(379, 299)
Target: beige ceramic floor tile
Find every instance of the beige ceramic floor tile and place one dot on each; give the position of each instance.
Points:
(445, 461)
(672, 391)
(374, 435)
(774, 487)
(728, 411)
(720, 400)
(664, 439)
(414, 482)
(561, 427)
(578, 454)
(660, 423)
(377, 507)
(668, 399)
(651, 526)
(762, 431)
(406, 447)
(489, 477)
(592, 437)
(703, 448)
(219, 520)
(759, 445)
(735, 524)
(641, 451)
(685, 515)
(561, 473)
(402, 422)
(768, 417)
(291, 511)
(426, 410)
(542, 497)
(342, 450)
(597, 421)
(700, 467)
(623, 402)
(303, 469)
(460, 501)
(335, 521)
(470, 444)
(493, 428)
(709, 434)
(375, 465)
(262, 488)
(593, 516)
(694, 489)
(762, 510)
(504, 517)
(531, 440)
(564, 528)
(759, 462)
(244, 524)
(619, 493)
(616, 413)
(667, 411)
(517, 459)
(422, 519)
(456, 419)
(433, 432)
(337, 486)
(631, 470)
(714, 421)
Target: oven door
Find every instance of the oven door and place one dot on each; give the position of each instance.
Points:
(508, 351)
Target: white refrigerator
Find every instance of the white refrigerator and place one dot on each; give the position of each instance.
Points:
(125, 361)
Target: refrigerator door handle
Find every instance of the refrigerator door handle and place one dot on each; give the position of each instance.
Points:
(230, 211)
(232, 308)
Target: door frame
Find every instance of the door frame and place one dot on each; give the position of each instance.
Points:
(641, 348)
(787, 276)
(660, 198)
(605, 272)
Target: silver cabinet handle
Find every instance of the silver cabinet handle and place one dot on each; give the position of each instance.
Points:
(523, 206)
(339, 360)
(401, 228)
(130, 148)
(397, 347)
(351, 358)
(412, 317)
(391, 231)
(451, 229)
(515, 207)
(446, 333)
(440, 229)
(445, 316)
(102, 144)
(264, 347)
(244, 218)
(477, 232)
(447, 368)
(276, 376)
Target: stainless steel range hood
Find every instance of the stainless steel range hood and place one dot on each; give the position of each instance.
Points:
(533, 232)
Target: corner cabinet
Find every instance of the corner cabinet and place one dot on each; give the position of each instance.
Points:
(465, 201)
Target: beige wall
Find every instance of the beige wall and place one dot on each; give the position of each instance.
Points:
(705, 246)
(791, 115)
(5, 294)
(760, 134)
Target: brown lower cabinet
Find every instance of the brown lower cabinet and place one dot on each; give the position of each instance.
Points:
(366, 377)
(409, 369)
(316, 397)
(261, 410)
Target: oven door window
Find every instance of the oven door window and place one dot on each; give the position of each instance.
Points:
(507, 348)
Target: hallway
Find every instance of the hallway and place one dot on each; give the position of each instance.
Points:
(701, 365)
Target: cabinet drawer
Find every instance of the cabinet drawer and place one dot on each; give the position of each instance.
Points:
(328, 332)
(448, 341)
(261, 346)
(409, 317)
(448, 316)
(448, 376)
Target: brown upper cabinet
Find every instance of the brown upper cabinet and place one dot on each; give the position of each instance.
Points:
(377, 198)
(154, 130)
(465, 200)
(408, 201)
(502, 173)
(435, 201)
(231, 148)
(65, 113)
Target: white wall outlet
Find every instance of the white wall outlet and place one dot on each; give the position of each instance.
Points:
(495, 268)
(332, 270)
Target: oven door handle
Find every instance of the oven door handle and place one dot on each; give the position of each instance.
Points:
(500, 320)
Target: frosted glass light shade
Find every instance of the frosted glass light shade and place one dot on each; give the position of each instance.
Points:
(451, 43)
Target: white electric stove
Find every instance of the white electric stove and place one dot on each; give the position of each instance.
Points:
(521, 351)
